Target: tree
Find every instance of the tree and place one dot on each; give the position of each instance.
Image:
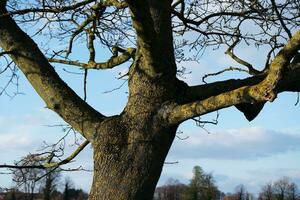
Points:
(30, 179)
(73, 194)
(282, 189)
(293, 194)
(241, 193)
(50, 182)
(201, 187)
(154, 35)
(172, 190)
(266, 193)
(11, 194)
(68, 185)
(26, 178)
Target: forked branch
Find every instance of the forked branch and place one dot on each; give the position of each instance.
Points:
(229, 51)
(57, 95)
(111, 63)
(50, 164)
(115, 3)
(266, 90)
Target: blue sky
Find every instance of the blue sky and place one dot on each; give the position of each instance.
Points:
(235, 151)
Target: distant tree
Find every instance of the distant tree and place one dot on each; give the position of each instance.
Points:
(172, 190)
(211, 191)
(266, 192)
(282, 189)
(11, 194)
(26, 178)
(201, 187)
(293, 189)
(68, 185)
(70, 193)
(77, 194)
(29, 179)
(50, 183)
(241, 193)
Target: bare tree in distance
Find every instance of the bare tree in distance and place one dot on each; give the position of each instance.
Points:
(30, 179)
(153, 37)
(25, 178)
(282, 189)
(267, 192)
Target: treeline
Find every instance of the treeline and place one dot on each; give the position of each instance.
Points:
(202, 187)
(32, 183)
(68, 192)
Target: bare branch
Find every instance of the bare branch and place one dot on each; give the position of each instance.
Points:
(280, 19)
(51, 164)
(49, 10)
(69, 158)
(222, 71)
(115, 3)
(229, 52)
(57, 94)
(266, 90)
(111, 63)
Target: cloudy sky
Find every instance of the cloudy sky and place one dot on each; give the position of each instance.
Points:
(235, 151)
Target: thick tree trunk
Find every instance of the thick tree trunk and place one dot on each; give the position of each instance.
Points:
(128, 167)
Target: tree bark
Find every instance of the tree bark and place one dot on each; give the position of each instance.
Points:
(128, 159)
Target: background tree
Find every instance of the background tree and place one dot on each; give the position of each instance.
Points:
(282, 189)
(26, 178)
(70, 193)
(50, 183)
(30, 177)
(11, 194)
(201, 187)
(172, 190)
(153, 36)
(267, 192)
(242, 194)
(293, 194)
(68, 186)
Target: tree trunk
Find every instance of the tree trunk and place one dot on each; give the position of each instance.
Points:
(128, 161)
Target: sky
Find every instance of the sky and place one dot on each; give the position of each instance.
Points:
(235, 151)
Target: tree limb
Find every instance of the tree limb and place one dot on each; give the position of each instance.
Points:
(57, 95)
(111, 63)
(144, 26)
(51, 164)
(280, 19)
(229, 51)
(280, 77)
(115, 3)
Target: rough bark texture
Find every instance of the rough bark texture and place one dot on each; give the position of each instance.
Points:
(130, 148)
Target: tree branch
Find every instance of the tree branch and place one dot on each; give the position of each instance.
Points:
(206, 18)
(51, 164)
(229, 52)
(111, 63)
(57, 95)
(49, 10)
(146, 34)
(280, 19)
(280, 77)
(115, 3)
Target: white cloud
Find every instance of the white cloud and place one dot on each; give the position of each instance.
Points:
(245, 143)
(13, 141)
(26, 132)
